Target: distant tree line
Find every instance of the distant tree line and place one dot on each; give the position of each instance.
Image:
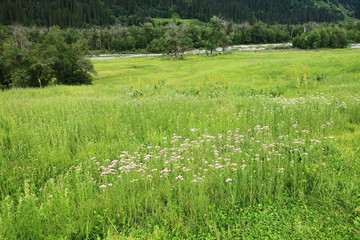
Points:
(85, 13)
(156, 38)
(153, 38)
(150, 37)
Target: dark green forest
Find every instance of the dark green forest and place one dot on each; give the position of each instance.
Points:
(84, 13)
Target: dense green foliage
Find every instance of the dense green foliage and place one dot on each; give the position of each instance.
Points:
(49, 60)
(248, 145)
(174, 41)
(328, 37)
(81, 13)
(322, 38)
(176, 37)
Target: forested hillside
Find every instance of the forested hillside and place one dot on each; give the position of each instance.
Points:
(80, 13)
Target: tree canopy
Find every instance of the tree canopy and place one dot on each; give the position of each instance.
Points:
(24, 63)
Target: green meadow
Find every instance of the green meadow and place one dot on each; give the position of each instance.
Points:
(251, 145)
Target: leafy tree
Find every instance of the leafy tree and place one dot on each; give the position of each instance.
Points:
(215, 34)
(197, 35)
(27, 64)
(176, 41)
(341, 38)
(4, 33)
(326, 37)
(3, 36)
(156, 45)
(66, 60)
(15, 58)
(226, 38)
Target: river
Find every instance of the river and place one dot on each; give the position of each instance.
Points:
(236, 48)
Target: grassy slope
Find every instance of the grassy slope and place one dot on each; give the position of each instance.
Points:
(348, 13)
(49, 186)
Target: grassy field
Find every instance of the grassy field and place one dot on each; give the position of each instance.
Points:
(255, 145)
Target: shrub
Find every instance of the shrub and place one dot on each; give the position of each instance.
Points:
(26, 64)
(326, 37)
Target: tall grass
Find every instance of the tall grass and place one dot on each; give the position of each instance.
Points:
(231, 155)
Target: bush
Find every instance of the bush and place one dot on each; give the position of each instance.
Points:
(326, 37)
(28, 64)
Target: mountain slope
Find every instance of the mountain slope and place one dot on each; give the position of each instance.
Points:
(103, 12)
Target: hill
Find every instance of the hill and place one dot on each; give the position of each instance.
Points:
(80, 13)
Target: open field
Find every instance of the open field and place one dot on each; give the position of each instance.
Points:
(252, 145)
